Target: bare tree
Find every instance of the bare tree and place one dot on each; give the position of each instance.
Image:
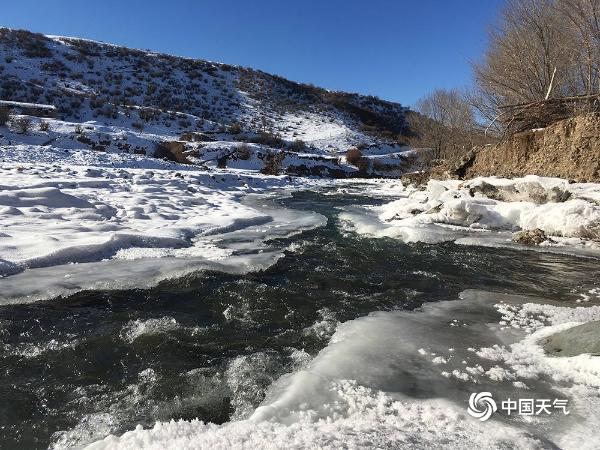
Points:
(539, 49)
(581, 37)
(522, 56)
(452, 122)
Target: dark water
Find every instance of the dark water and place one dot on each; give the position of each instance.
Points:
(208, 346)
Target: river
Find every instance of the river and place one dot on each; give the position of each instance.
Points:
(211, 345)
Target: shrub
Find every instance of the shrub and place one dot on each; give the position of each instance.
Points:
(235, 128)
(184, 123)
(33, 44)
(363, 165)
(147, 114)
(222, 161)
(4, 115)
(269, 139)
(297, 146)
(353, 156)
(273, 163)
(44, 125)
(243, 152)
(78, 129)
(22, 124)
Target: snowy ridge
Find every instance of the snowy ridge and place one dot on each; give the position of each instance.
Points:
(110, 98)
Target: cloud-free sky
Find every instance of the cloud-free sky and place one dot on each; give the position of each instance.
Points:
(397, 50)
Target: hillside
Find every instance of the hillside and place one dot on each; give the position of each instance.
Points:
(111, 98)
(568, 148)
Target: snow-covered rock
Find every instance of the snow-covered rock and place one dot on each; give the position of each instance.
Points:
(489, 209)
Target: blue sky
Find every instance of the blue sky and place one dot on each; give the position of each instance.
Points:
(397, 50)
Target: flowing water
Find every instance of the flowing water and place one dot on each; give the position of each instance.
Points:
(209, 345)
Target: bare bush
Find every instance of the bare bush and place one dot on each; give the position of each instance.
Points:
(243, 152)
(273, 162)
(44, 125)
(185, 123)
(364, 165)
(147, 114)
(222, 161)
(4, 115)
(22, 124)
(297, 146)
(353, 156)
(269, 139)
(235, 128)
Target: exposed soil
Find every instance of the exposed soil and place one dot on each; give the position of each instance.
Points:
(567, 149)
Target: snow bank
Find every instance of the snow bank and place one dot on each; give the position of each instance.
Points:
(451, 210)
(375, 421)
(49, 197)
(68, 226)
(483, 342)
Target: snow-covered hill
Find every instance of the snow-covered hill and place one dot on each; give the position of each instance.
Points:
(111, 98)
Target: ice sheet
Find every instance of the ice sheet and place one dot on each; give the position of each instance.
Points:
(403, 379)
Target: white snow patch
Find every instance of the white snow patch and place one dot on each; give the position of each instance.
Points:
(71, 223)
(318, 407)
(485, 211)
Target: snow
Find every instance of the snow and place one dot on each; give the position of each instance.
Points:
(98, 211)
(350, 394)
(374, 421)
(485, 211)
(106, 89)
(26, 105)
(64, 137)
(308, 127)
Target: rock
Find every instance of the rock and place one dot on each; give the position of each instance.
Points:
(575, 341)
(487, 190)
(592, 231)
(531, 237)
(524, 191)
(536, 193)
(173, 151)
(434, 210)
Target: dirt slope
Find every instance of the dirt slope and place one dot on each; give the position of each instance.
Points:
(567, 149)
